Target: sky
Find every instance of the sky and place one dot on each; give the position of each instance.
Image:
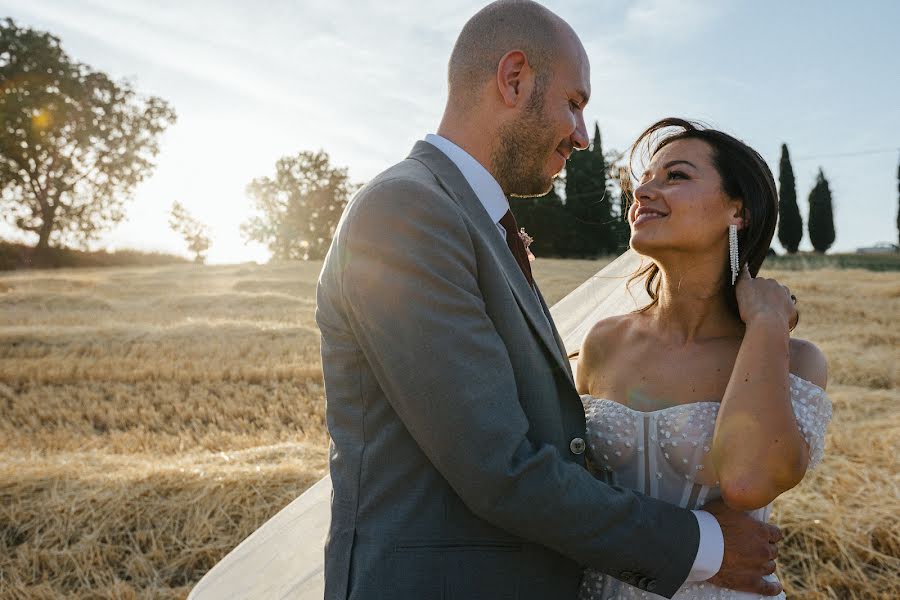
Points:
(252, 82)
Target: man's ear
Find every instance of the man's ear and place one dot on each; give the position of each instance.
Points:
(513, 76)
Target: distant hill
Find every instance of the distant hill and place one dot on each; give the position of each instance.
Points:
(19, 256)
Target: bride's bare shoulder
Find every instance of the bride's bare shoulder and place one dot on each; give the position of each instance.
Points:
(595, 349)
(603, 339)
(605, 334)
(808, 362)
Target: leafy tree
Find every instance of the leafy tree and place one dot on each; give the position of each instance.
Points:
(821, 217)
(195, 233)
(299, 208)
(73, 143)
(790, 223)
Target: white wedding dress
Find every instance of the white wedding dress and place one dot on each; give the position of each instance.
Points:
(284, 558)
(666, 454)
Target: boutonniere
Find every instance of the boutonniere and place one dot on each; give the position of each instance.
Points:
(526, 240)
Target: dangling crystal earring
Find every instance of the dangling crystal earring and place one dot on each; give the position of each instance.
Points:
(733, 251)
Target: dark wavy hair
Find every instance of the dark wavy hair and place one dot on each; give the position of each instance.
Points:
(745, 176)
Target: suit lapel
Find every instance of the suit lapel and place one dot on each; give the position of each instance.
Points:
(559, 343)
(453, 182)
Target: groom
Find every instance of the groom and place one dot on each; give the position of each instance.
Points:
(457, 454)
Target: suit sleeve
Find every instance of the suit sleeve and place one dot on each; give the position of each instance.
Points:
(411, 292)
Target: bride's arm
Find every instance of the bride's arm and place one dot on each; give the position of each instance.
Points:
(758, 449)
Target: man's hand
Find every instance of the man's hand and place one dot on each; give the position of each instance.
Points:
(750, 551)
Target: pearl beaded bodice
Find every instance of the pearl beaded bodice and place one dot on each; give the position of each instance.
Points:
(666, 454)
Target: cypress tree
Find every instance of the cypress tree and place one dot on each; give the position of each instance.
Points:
(568, 239)
(620, 228)
(544, 218)
(620, 220)
(790, 223)
(821, 216)
(606, 232)
(588, 203)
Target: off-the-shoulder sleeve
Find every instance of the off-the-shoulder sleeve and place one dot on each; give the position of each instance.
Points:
(590, 406)
(812, 408)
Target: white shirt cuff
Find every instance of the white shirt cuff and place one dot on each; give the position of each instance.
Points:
(711, 550)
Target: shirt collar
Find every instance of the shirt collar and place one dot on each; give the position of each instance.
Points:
(482, 182)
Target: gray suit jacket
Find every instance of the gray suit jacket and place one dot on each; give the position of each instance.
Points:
(452, 413)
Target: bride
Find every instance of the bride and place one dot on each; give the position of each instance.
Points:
(702, 394)
(704, 397)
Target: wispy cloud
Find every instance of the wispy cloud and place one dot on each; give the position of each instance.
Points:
(362, 80)
(672, 18)
(157, 39)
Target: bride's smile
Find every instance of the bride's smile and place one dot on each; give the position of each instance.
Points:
(645, 214)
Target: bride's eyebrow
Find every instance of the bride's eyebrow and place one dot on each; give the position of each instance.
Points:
(668, 165)
(672, 163)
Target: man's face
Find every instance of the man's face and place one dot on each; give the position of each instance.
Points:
(534, 147)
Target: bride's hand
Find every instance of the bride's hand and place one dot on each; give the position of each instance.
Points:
(760, 299)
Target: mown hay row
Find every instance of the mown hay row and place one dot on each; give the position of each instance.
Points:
(155, 417)
(83, 526)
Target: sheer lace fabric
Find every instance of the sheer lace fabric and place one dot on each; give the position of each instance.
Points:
(666, 454)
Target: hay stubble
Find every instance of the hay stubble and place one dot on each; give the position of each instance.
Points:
(154, 417)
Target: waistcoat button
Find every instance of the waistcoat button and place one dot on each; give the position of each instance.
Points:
(577, 446)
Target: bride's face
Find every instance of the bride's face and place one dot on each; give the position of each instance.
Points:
(679, 203)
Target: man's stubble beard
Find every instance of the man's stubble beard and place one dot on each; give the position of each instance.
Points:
(523, 148)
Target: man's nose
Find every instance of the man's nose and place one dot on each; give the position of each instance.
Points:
(580, 139)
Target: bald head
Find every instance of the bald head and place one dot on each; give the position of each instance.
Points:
(519, 82)
(495, 30)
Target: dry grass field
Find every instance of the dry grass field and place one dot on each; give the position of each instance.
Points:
(153, 417)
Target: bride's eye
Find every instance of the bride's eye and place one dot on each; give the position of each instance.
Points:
(677, 175)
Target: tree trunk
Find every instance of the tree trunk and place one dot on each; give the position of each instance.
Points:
(41, 255)
(43, 238)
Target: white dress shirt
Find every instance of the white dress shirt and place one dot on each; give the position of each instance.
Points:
(480, 179)
(712, 545)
